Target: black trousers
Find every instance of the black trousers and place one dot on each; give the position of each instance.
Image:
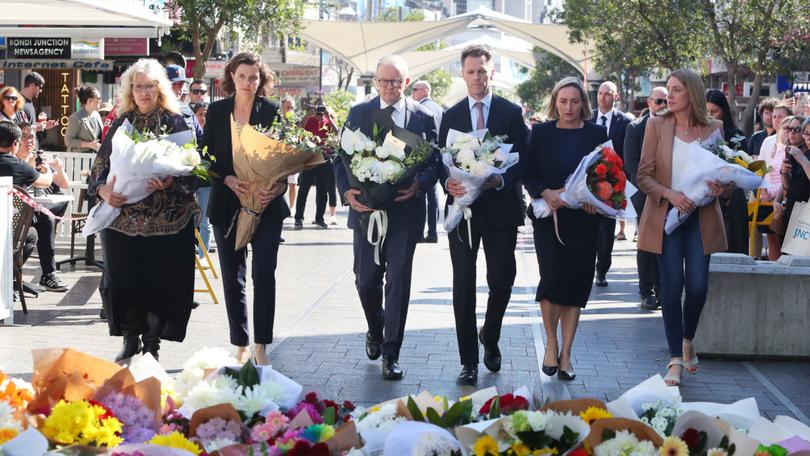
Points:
(46, 237)
(432, 211)
(323, 177)
(396, 260)
(604, 246)
(233, 264)
(649, 279)
(499, 249)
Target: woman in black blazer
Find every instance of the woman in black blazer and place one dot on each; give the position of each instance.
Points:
(248, 79)
(566, 271)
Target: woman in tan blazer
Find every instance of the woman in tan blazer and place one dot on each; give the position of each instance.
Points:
(683, 255)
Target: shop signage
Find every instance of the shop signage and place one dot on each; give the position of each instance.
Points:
(304, 76)
(38, 48)
(94, 65)
(126, 46)
(87, 49)
(215, 69)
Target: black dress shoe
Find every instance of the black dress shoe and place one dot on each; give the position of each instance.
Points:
(132, 346)
(151, 347)
(550, 370)
(431, 239)
(391, 369)
(373, 346)
(468, 375)
(649, 303)
(566, 375)
(601, 281)
(492, 354)
(322, 225)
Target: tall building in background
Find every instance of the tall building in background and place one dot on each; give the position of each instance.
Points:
(541, 10)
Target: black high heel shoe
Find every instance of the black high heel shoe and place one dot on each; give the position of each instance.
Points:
(550, 370)
(566, 375)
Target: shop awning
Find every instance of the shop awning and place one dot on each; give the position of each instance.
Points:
(81, 18)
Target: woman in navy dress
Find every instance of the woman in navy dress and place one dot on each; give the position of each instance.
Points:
(566, 270)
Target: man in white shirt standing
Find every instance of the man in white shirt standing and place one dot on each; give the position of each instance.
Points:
(421, 94)
(616, 123)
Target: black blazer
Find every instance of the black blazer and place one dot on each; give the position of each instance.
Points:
(419, 120)
(223, 203)
(633, 139)
(540, 166)
(618, 127)
(498, 208)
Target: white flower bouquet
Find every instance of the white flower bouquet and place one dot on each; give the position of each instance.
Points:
(380, 169)
(416, 438)
(375, 424)
(472, 158)
(625, 443)
(703, 167)
(136, 158)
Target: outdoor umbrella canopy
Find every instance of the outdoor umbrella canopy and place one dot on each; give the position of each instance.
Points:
(261, 161)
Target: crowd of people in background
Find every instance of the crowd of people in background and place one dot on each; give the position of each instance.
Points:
(147, 304)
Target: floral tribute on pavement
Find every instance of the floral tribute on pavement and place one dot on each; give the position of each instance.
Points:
(79, 404)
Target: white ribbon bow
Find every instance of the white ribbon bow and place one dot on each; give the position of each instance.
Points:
(378, 220)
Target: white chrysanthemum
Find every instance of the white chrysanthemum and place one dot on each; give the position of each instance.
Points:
(717, 452)
(384, 419)
(7, 419)
(217, 444)
(659, 424)
(465, 141)
(205, 394)
(263, 398)
(625, 443)
(185, 381)
(539, 421)
(435, 444)
(210, 358)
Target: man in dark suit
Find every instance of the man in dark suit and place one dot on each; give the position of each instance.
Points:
(496, 215)
(616, 123)
(649, 281)
(406, 217)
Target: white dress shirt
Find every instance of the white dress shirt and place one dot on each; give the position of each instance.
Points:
(399, 114)
(487, 101)
(609, 116)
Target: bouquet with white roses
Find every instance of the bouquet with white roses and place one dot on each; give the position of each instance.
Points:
(379, 167)
(138, 157)
(472, 158)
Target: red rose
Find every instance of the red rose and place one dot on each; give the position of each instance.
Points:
(579, 452)
(507, 403)
(604, 191)
(311, 397)
(619, 186)
(601, 169)
(692, 438)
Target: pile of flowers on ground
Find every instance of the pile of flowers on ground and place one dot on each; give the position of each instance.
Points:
(78, 404)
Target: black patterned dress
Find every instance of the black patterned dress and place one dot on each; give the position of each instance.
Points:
(148, 281)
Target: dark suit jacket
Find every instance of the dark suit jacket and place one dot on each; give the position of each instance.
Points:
(618, 126)
(540, 163)
(494, 208)
(410, 213)
(223, 203)
(633, 139)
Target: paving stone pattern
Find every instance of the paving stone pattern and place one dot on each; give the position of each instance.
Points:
(319, 331)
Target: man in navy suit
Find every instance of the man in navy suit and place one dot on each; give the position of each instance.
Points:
(496, 215)
(616, 123)
(406, 217)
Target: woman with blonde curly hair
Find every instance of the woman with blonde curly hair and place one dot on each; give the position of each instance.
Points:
(148, 282)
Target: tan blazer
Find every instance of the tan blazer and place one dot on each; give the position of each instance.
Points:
(655, 178)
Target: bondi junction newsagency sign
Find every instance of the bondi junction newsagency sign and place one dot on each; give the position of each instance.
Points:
(55, 53)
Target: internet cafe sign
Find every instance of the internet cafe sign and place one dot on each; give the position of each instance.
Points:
(55, 48)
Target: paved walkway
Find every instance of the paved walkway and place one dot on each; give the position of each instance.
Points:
(320, 332)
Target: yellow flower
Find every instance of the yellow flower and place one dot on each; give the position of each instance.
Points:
(374, 409)
(175, 440)
(673, 446)
(519, 449)
(7, 434)
(485, 446)
(80, 423)
(592, 414)
(544, 451)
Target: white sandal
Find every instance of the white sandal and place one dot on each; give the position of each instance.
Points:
(674, 379)
(692, 365)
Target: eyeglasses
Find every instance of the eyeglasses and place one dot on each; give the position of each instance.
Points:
(199, 91)
(10, 98)
(793, 129)
(395, 83)
(806, 134)
(144, 87)
(660, 101)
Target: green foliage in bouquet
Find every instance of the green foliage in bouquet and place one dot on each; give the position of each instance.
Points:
(458, 414)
